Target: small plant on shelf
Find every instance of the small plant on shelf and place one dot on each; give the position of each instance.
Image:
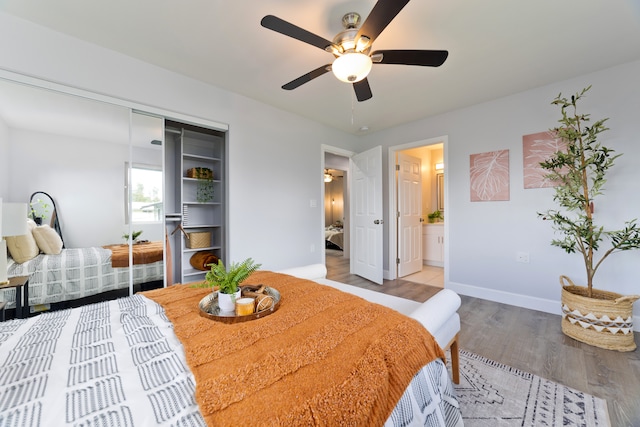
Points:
(134, 236)
(204, 190)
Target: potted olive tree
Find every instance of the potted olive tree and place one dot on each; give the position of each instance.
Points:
(597, 317)
(227, 281)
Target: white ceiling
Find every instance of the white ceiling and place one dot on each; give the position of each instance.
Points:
(40, 110)
(496, 48)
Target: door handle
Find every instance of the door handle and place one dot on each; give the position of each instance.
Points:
(378, 221)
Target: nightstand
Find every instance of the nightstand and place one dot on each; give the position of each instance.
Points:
(22, 294)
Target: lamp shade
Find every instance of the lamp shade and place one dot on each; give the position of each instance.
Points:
(13, 219)
(13, 222)
(351, 67)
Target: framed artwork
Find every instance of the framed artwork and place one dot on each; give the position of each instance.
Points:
(536, 148)
(489, 176)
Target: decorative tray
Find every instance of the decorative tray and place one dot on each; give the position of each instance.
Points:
(209, 305)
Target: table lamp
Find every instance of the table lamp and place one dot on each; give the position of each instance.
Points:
(13, 222)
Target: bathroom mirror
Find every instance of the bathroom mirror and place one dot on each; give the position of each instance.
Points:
(440, 191)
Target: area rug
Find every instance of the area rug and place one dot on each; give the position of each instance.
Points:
(493, 394)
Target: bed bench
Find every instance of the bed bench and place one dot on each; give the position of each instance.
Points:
(439, 314)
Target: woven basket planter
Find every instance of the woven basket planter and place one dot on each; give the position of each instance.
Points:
(605, 320)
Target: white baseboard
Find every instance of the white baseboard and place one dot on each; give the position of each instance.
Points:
(524, 301)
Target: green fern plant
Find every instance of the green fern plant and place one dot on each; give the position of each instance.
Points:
(134, 235)
(228, 279)
(580, 171)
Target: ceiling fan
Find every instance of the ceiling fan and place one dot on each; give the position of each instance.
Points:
(352, 47)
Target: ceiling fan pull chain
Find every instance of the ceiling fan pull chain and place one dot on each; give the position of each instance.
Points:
(352, 106)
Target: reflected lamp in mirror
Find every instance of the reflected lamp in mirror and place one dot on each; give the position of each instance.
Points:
(13, 222)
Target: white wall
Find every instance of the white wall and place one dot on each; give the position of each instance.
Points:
(4, 161)
(85, 180)
(483, 237)
(271, 152)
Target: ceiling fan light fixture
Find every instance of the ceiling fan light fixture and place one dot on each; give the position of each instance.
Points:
(351, 67)
(327, 176)
(363, 44)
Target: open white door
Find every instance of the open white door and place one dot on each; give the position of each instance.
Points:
(366, 214)
(409, 214)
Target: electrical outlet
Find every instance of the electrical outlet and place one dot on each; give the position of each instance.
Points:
(312, 248)
(522, 257)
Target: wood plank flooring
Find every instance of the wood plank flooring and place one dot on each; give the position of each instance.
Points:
(531, 341)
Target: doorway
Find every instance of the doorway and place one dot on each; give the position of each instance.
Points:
(431, 271)
(335, 226)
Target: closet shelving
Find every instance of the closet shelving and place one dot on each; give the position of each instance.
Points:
(199, 204)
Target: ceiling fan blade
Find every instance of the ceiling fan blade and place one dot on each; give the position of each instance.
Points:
(307, 77)
(427, 58)
(381, 15)
(283, 27)
(363, 90)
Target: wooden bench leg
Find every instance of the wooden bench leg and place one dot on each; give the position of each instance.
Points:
(455, 360)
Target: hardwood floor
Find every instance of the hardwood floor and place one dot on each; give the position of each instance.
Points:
(531, 341)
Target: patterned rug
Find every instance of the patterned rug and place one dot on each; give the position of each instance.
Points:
(493, 394)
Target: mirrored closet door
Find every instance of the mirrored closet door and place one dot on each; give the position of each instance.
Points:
(102, 165)
(140, 197)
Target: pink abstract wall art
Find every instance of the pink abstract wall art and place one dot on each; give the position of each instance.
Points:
(536, 148)
(489, 176)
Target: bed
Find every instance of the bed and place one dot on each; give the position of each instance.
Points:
(76, 273)
(151, 359)
(334, 237)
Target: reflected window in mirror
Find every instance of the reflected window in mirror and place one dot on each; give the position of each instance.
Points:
(145, 184)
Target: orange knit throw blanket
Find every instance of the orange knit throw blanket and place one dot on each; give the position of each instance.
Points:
(325, 357)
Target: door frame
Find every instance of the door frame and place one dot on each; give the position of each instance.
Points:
(392, 272)
(324, 148)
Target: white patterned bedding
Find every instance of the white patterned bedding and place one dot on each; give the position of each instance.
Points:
(118, 363)
(76, 273)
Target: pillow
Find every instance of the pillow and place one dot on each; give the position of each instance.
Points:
(23, 248)
(47, 239)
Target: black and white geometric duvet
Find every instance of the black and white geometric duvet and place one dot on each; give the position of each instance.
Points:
(76, 273)
(118, 363)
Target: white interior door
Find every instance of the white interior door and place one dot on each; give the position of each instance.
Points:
(366, 214)
(409, 214)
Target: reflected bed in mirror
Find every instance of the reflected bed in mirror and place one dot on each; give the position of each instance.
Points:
(68, 278)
